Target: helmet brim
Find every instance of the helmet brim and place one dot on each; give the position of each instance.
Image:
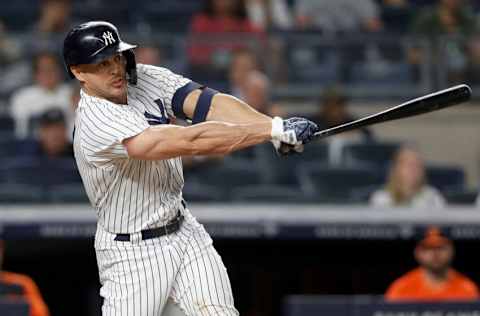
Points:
(109, 51)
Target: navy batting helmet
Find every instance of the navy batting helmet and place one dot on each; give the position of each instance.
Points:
(95, 41)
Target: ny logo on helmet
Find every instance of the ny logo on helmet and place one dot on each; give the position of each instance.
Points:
(108, 38)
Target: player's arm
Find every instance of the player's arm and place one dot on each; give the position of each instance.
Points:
(214, 138)
(208, 105)
(221, 107)
(209, 138)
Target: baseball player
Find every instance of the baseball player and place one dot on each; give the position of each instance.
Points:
(150, 249)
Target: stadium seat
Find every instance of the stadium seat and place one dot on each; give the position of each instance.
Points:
(309, 62)
(167, 15)
(22, 193)
(117, 14)
(7, 125)
(18, 15)
(229, 176)
(269, 194)
(396, 19)
(338, 184)
(391, 74)
(316, 152)
(67, 193)
(375, 154)
(11, 147)
(262, 153)
(284, 170)
(195, 191)
(362, 195)
(461, 197)
(446, 178)
(43, 173)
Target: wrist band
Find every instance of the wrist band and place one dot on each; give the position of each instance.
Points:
(277, 128)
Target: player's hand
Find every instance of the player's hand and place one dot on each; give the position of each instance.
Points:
(289, 136)
(285, 149)
(293, 131)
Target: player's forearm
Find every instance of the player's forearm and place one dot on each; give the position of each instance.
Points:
(214, 138)
(226, 108)
(210, 138)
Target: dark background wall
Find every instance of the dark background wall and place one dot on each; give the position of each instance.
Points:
(262, 272)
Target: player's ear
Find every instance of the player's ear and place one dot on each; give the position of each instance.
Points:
(77, 72)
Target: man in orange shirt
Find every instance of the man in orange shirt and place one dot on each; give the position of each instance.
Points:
(434, 280)
(29, 289)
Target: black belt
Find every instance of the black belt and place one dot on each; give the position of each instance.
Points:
(167, 229)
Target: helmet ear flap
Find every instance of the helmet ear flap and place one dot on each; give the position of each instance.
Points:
(131, 66)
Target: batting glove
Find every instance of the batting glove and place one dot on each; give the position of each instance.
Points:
(291, 134)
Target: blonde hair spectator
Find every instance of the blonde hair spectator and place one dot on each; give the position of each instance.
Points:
(407, 185)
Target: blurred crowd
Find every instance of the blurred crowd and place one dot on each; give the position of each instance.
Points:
(253, 49)
(249, 48)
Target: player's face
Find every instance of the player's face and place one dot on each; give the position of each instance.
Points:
(435, 259)
(106, 79)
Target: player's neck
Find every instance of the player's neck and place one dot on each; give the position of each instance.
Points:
(117, 100)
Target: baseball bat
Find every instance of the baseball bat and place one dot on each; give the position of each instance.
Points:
(427, 103)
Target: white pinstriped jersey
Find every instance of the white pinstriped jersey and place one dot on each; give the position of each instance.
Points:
(129, 195)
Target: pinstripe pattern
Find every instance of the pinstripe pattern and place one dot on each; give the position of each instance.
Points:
(139, 277)
(128, 195)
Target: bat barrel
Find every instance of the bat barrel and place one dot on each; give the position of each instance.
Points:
(459, 94)
(428, 103)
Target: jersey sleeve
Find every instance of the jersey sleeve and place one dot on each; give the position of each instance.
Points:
(104, 127)
(172, 88)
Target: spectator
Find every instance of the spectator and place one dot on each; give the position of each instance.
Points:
(396, 15)
(29, 289)
(243, 61)
(407, 185)
(54, 17)
(333, 111)
(47, 92)
(11, 65)
(266, 14)
(338, 16)
(257, 94)
(53, 140)
(220, 17)
(9, 49)
(434, 280)
(451, 18)
(51, 26)
(149, 55)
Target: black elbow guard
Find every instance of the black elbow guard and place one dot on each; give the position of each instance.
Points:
(203, 105)
(180, 96)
